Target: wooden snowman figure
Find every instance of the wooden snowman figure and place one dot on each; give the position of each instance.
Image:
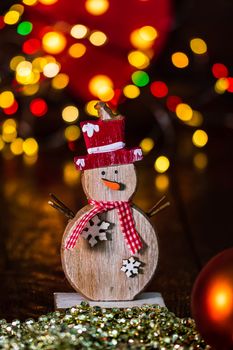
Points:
(109, 250)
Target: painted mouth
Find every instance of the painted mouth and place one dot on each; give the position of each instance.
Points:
(113, 185)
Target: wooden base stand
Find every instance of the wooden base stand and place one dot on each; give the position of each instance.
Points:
(66, 300)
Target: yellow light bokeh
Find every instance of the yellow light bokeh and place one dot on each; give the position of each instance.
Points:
(161, 164)
(30, 2)
(138, 59)
(54, 42)
(51, 69)
(48, 2)
(162, 182)
(184, 112)
(60, 81)
(200, 138)
(17, 7)
(131, 91)
(105, 93)
(79, 31)
(2, 143)
(29, 90)
(71, 175)
(9, 133)
(99, 82)
(97, 7)
(147, 144)
(143, 38)
(180, 59)
(15, 61)
(72, 133)
(30, 146)
(9, 122)
(16, 146)
(30, 160)
(198, 46)
(98, 38)
(90, 108)
(200, 160)
(221, 85)
(77, 50)
(196, 120)
(38, 64)
(11, 17)
(30, 79)
(24, 69)
(6, 99)
(70, 114)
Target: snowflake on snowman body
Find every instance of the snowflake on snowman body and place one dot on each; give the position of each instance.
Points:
(96, 229)
(131, 266)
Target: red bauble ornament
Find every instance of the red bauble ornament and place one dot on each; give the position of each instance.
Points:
(212, 301)
(118, 22)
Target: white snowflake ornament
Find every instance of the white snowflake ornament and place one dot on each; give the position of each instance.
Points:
(96, 229)
(131, 266)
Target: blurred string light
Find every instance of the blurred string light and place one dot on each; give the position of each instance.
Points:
(96, 7)
(162, 182)
(200, 161)
(200, 138)
(180, 60)
(39, 64)
(161, 164)
(70, 175)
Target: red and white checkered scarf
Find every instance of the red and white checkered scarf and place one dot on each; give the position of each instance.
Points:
(126, 221)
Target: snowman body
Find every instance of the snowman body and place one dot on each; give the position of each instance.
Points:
(96, 272)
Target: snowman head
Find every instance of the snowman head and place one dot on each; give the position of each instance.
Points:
(110, 183)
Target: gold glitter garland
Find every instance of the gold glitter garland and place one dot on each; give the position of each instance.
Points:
(85, 327)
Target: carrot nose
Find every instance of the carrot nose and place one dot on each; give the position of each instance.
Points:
(111, 184)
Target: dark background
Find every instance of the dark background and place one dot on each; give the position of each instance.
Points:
(196, 226)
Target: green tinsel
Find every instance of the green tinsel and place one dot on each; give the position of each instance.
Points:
(85, 327)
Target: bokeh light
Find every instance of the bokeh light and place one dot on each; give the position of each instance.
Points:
(70, 174)
(38, 107)
(98, 38)
(9, 132)
(18, 7)
(90, 108)
(11, 17)
(172, 102)
(180, 59)
(16, 146)
(159, 89)
(230, 84)
(200, 161)
(196, 120)
(147, 144)
(72, 133)
(79, 31)
(60, 81)
(99, 82)
(77, 50)
(29, 90)
(131, 91)
(138, 59)
(51, 69)
(2, 143)
(198, 46)
(162, 182)
(30, 2)
(6, 99)
(30, 146)
(200, 138)
(31, 46)
(221, 85)
(161, 164)
(54, 42)
(143, 38)
(12, 109)
(70, 114)
(24, 28)
(97, 7)
(184, 112)
(15, 61)
(219, 70)
(48, 2)
(140, 78)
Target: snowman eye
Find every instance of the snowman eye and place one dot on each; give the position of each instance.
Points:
(103, 172)
(116, 171)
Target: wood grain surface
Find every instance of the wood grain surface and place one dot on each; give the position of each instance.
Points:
(96, 271)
